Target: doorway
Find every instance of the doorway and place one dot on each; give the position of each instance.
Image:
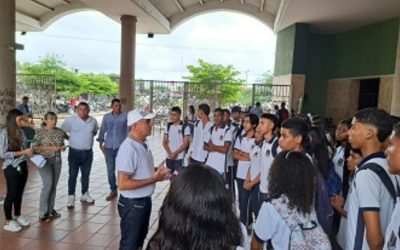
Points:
(369, 93)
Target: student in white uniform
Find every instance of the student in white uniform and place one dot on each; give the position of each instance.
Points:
(201, 128)
(241, 152)
(392, 236)
(230, 172)
(291, 190)
(370, 202)
(270, 148)
(252, 183)
(341, 134)
(176, 140)
(217, 142)
(339, 202)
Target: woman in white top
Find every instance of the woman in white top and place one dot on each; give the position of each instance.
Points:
(291, 191)
(197, 213)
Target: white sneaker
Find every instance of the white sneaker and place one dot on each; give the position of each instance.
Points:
(71, 201)
(87, 198)
(23, 222)
(13, 226)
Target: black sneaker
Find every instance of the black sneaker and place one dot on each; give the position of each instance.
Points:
(54, 214)
(44, 218)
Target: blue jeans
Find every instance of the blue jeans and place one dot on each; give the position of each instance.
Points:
(110, 161)
(244, 202)
(255, 199)
(79, 159)
(135, 217)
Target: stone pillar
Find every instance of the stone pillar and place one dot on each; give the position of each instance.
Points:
(7, 59)
(127, 75)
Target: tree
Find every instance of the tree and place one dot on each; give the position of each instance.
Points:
(265, 78)
(222, 80)
(68, 82)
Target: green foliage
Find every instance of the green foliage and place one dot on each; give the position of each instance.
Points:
(223, 81)
(265, 78)
(68, 82)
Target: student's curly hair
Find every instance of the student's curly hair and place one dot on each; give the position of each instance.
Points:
(197, 214)
(292, 174)
(378, 118)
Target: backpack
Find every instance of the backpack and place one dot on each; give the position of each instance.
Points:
(323, 204)
(184, 126)
(384, 177)
(333, 183)
(303, 235)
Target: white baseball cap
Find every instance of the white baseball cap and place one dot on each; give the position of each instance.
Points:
(139, 114)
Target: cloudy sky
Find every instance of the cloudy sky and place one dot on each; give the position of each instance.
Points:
(90, 42)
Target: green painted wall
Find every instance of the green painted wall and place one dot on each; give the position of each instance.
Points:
(366, 51)
(300, 49)
(284, 51)
(317, 71)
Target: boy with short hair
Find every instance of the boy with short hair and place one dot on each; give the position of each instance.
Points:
(217, 142)
(201, 128)
(176, 140)
(370, 204)
(270, 148)
(392, 236)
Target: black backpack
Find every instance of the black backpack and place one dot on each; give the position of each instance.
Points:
(184, 126)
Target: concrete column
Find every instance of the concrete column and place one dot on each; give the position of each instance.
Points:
(395, 107)
(7, 59)
(128, 47)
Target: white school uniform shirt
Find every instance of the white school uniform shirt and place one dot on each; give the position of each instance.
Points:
(218, 136)
(368, 194)
(230, 161)
(246, 145)
(342, 233)
(255, 162)
(135, 159)
(392, 236)
(175, 137)
(338, 161)
(266, 161)
(198, 152)
(81, 133)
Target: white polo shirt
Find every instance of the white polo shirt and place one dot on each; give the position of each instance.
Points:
(267, 157)
(246, 145)
(368, 194)
(81, 133)
(392, 236)
(198, 152)
(338, 161)
(136, 160)
(255, 162)
(175, 137)
(218, 136)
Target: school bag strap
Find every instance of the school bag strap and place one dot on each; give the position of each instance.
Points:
(275, 145)
(181, 123)
(384, 177)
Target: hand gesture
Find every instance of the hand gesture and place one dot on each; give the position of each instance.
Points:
(337, 202)
(162, 174)
(28, 152)
(247, 185)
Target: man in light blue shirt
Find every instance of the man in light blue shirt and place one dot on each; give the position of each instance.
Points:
(113, 132)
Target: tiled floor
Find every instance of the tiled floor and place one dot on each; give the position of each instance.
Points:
(85, 227)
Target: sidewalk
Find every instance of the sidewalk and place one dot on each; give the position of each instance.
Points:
(85, 227)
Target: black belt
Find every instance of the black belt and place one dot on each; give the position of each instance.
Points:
(81, 150)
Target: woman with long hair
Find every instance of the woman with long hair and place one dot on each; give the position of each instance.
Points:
(15, 153)
(49, 142)
(291, 196)
(197, 214)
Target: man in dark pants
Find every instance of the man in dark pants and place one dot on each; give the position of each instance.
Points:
(136, 180)
(81, 129)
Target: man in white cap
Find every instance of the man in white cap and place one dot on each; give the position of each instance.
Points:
(136, 180)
